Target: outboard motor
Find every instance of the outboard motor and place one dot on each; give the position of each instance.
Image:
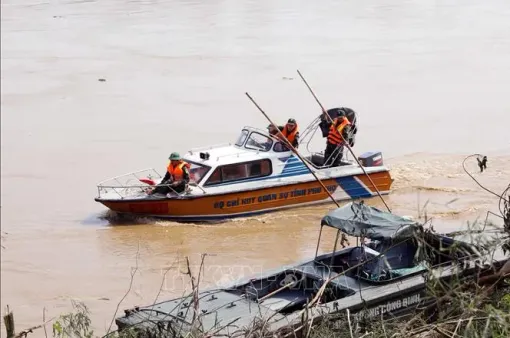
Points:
(334, 113)
(371, 159)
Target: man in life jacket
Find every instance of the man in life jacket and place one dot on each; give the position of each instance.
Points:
(335, 144)
(176, 178)
(291, 133)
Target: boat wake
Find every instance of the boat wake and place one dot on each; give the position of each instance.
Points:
(116, 219)
(417, 188)
(442, 189)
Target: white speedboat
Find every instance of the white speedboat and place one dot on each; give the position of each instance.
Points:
(255, 174)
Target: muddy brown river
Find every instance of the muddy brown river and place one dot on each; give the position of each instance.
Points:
(429, 80)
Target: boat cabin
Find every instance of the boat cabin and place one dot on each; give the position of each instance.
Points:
(254, 155)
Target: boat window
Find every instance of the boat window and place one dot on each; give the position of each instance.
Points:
(242, 138)
(197, 171)
(279, 147)
(215, 177)
(240, 171)
(258, 141)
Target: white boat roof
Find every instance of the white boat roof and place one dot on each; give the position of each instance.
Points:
(232, 153)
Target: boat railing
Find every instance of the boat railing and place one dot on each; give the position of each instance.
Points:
(197, 149)
(149, 173)
(123, 185)
(260, 130)
(239, 154)
(308, 134)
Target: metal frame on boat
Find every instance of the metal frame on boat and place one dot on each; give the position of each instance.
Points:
(384, 278)
(256, 174)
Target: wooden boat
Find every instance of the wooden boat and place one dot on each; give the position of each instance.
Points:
(386, 277)
(256, 174)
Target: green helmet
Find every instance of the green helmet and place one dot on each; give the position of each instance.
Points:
(175, 157)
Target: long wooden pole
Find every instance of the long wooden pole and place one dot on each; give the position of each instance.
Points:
(294, 150)
(345, 142)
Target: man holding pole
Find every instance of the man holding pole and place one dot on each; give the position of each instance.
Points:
(335, 143)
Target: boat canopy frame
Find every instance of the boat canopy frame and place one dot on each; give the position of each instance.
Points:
(361, 221)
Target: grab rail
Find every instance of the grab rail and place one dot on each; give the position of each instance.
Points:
(208, 147)
(132, 174)
(143, 188)
(121, 188)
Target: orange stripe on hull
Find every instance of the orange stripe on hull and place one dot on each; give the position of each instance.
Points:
(382, 181)
(260, 200)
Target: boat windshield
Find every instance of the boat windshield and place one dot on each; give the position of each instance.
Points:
(258, 141)
(242, 138)
(197, 171)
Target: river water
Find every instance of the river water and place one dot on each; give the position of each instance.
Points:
(429, 80)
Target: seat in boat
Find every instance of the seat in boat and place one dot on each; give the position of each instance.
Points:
(317, 159)
(354, 257)
(397, 261)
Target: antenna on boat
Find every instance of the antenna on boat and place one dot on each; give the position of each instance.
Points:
(345, 142)
(294, 150)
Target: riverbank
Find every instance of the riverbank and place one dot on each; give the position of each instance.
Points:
(474, 308)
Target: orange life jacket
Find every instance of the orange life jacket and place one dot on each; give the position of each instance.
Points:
(176, 171)
(290, 135)
(335, 132)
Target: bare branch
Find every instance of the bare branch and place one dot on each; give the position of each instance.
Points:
(133, 272)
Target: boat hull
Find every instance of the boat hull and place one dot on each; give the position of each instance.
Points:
(242, 203)
(282, 308)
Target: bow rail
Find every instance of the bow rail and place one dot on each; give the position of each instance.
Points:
(130, 185)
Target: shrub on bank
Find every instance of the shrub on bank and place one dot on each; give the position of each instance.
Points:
(464, 311)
